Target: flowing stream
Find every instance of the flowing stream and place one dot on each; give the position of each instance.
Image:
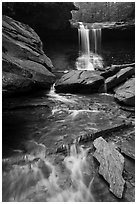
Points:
(43, 160)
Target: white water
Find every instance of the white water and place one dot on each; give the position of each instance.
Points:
(96, 40)
(40, 180)
(57, 97)
(89, 40)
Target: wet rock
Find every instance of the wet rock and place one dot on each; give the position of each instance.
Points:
(100, 190)
(120, 77)
(23, 57)
(77, 81)
(128, 147)
(126, 93)
(111, 165)
(104, 131)
(110, 71)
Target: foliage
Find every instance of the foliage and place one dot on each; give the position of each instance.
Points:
(91, 12)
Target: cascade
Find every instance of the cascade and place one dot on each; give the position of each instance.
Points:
(90, 47)
(84, 40)
(96, 40)
(39, 178)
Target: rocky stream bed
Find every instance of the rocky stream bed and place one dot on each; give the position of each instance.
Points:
(68, 134)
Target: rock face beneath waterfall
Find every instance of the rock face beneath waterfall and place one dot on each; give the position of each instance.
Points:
(24, 63)
(113, 30)
(126, 93)
(77, 81)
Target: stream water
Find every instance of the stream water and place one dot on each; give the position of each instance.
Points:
(42, 158)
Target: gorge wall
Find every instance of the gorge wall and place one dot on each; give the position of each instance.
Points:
(25, 66)
(48, 19)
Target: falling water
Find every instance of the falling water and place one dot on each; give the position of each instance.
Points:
(84, 40)
(89, 38)
(96, 40)
(84, 45)
(58, 97)
(38, 179)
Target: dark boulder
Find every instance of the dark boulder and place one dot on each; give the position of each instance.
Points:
(23, 59)
(120, 77)
(126, 93)
(77, 81)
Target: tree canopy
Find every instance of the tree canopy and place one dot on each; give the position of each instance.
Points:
(91, 12)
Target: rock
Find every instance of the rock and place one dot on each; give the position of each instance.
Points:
(13, 83)
(113, 69)
(111, 165)
(124, 31)
(48, 19)
(35, 149)
(120, 77)
(128, 148)
(103, 132)
(113, 31)
(100, 190)
(77, 81)
(126, 93)
(23, 58)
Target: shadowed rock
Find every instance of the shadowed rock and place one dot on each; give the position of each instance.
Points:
(48, 19)
(126, 93)
(23, 58)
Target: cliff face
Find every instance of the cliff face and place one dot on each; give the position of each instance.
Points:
(46, 18)
(24, 64)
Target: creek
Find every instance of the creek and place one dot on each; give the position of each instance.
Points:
(42, 157)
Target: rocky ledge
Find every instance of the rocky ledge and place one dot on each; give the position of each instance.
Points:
(24, 63)
(112, 30)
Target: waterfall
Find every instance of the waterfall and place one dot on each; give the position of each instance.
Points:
(84, 46)
(89, 40)
(96, 40)
(84, 40)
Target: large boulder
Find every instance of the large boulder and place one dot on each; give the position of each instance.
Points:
(126, 93)
(120, 77)
(23, 58)
(77, 81)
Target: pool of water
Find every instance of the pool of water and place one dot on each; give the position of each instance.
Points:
(64, 56)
